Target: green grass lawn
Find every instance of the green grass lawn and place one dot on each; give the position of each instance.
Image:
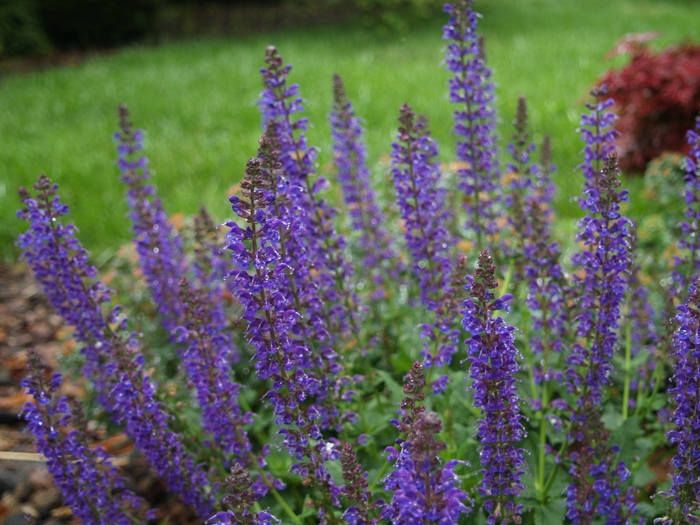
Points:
(197, 101)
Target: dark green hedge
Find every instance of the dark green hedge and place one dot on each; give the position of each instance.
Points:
(96, 23)
(20, 30)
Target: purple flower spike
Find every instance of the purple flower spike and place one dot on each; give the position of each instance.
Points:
(524, 189)
(598, 134)
(307, 384)
(356, 484)
(113, 362)
(475, 119)
(547, 285)
(685, 491)
(423, 489)
(209, 356)
(493, 365)
(317, 250)
(421, 202)
(350, 156)
(159, 248)
(687, 266)
(241, 496)
(95, 494)
(603, 266)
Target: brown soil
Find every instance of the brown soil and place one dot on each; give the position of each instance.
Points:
(26, 487)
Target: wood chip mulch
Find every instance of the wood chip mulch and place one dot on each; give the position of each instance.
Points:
(26, 487)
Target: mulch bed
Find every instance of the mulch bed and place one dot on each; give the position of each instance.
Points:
(26, 487)
(26, 321)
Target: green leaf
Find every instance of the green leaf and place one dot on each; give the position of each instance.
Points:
(552, 513)
(390, 383)
(642, 476)
(626, 437)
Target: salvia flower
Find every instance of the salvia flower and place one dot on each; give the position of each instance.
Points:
(443, 336)
(241, 496)
(602, 269)
(159, 248)
(112, 361)
(687, 265)
(355, 489)
(210, 266)
(350, 157)
(475, 121)
(521, 148)
(493, 365)
(604, 264)
(520, 192)
(208, 360)
(423, 489)
(685, 491)
(318, 249)
(307, 386)
(421, 201)
(598, 134)
(90, 486)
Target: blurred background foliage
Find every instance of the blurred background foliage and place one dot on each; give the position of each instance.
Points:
(36, 27)
(194, 85)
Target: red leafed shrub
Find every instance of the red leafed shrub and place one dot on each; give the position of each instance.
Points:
(657, 97)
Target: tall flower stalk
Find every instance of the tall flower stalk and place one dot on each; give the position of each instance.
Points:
(685, 490)
(208, 358)
(318, 249)
(687, 265)
(113, 361)
(603, 266)
(423, 490)
(493, 365)
(307, 386)
(422, 203)
(350, 156)
(92, 487)
(475, 122)
(159, 248)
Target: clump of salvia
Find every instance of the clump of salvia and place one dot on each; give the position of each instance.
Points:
(513, 362)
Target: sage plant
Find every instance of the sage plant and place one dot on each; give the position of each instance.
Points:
(685, 490)
(423, 489)
(492, 368)
(302, 376)
(422, 204)
(113, 360)
(687, 264)
(159, 248)
(475, 121)
(603, 265)
(318, 246)
(378, 254)
(89, 484)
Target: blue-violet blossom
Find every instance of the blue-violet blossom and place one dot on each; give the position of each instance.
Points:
(113, 361)
(493, 365)
(475, 120)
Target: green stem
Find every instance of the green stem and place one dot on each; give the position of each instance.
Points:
(379, 476)
(552, 474)
(658, 376)
(508, 278)
(542, 445)
(284, 506)
(628, 371)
